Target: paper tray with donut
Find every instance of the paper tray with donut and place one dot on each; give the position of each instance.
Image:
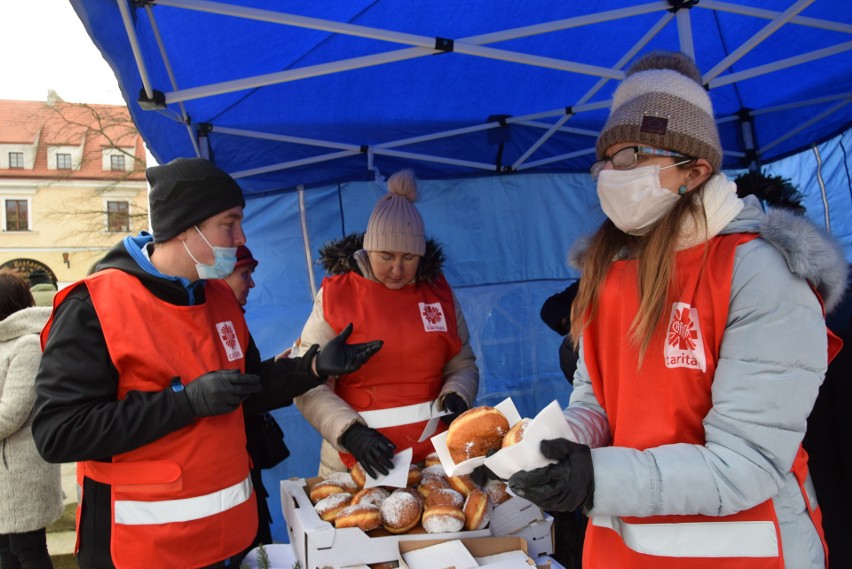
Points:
(484, 429)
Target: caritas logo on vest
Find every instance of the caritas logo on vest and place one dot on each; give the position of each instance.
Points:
(433, 317)
(684, 342)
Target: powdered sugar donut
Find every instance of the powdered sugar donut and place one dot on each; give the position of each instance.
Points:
(443, 519)
(477, 510)
(365, 517)
(400, 512)
(328, 507)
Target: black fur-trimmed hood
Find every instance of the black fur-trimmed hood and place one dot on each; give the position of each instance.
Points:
(338, 257)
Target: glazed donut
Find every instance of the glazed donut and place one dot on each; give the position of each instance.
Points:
(516, 433)
(475, 432)
(444, 497)
(328, 507)
(324, 489)
(363, 516)
(443, 519)
(359, 476)
(431, 483)
(375, 496)
(463, 484)
(400, 512)
(477, 510)
(496, 490)
(414, 475)
(431, 460)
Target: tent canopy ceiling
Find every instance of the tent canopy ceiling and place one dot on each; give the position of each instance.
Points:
(283, 93)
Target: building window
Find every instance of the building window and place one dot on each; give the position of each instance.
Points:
(16, 160)
(118, 217)
(116, 162)
(17, 215)
(63, 161)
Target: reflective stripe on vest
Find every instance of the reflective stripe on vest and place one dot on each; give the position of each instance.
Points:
(708, 539)
(132, 512)
(381, 418)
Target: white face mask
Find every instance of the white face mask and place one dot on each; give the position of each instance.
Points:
(225, 259)
(633, 199)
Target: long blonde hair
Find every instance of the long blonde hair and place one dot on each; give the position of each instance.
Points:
(655, 255)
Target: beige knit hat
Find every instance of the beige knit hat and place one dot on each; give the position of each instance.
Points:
(662, 103)
(395, 224)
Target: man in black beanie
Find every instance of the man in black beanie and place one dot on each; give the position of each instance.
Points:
(147, 371)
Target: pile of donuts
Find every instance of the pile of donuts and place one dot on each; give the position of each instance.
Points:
(432, 502)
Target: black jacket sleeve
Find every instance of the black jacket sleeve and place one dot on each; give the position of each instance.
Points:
(283, 380)
(77, 413)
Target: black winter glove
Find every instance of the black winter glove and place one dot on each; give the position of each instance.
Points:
(370, 448)
(219, 392)
(339, 358)
(481, 475)
(456, 405)
(562, 487)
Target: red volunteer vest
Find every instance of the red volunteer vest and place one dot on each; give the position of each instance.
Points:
(664, 403)
(418, 326)
(186, 499)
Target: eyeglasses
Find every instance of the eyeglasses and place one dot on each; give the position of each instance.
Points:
(628, 157)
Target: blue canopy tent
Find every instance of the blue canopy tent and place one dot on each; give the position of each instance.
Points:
(495, 105)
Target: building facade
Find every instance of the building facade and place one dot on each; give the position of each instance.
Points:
(72, 184)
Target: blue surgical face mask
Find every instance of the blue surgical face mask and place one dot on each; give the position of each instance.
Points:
(225, 259)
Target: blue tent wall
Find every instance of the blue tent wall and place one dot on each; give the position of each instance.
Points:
(506, 240)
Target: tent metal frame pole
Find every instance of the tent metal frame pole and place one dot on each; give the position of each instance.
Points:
(306, 240)
(642, 42)
(741, 10)
(565, 24)
(541, 140)
(756, 39)
(292, 164)
(815, 119)
(847, 97)
(435, 159)
(295, 74)
(563, 129)
(155, 28)
(286, 138)
(134, 46)
(780, 64)
(684, 33)
(554, 159)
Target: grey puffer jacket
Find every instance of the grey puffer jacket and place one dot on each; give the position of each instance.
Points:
(321, 406)
(30, 488)
(771, 365)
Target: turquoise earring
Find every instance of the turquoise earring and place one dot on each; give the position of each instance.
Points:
(681, 191)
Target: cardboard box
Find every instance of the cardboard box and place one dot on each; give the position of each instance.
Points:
(319, 544)
(478, 547)
(539, 537)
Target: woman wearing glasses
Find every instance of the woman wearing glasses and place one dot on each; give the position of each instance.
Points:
(703, 345)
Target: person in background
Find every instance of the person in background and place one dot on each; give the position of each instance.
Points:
(702, 350)
(389, 283)
(556, 313)
(30, 488)
(42, 287)
(828, 438)
(568, 527)
(147, 370)
(241, 282)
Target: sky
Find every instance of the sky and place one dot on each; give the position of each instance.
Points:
(45, 46)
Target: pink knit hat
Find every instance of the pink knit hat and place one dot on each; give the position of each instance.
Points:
(395, 224)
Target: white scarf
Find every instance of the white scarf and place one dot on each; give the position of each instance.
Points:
(721, 205)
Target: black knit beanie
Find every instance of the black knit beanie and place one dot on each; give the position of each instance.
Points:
(185, 192)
